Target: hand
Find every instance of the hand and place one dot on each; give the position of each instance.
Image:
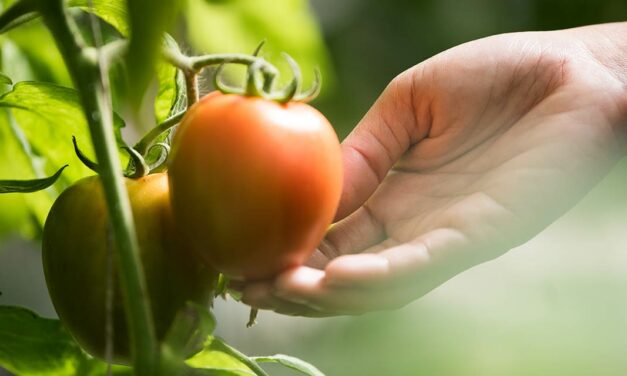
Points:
(462, 158)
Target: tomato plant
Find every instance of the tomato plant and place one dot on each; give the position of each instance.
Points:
(255, 183)
(121, 274)
(77, 249)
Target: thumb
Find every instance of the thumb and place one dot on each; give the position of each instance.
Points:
(385, 133)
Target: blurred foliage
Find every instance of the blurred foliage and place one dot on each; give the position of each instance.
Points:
(216, 26)
(149, 20)
(40, 54)
(372, 41)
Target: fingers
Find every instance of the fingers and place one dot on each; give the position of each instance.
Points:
(385, 133)
(444, 251)
(301, 292)
(354, 284)
(260, 295)
(357, 232)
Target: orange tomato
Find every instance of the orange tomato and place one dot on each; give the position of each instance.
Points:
(254, 183)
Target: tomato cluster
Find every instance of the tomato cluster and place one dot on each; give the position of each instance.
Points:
(252, 187)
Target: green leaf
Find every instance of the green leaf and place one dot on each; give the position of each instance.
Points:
(46, 117)
(4, 79)
(31, 345)
(15, 216)
(185, 337)
(216, 372)
(290, 362)
(114, 12)
(35, 45)
(35, 346)
(239, 25)
(149, 20)
(189, 330)
(216, 357)
(29, 186)
(171, 94)
(16, 14)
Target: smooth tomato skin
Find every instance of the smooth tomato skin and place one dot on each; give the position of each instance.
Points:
(75, 242)
(254, 183)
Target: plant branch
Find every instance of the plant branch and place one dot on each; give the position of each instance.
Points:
(197, 63)
(256, 368)
(108, 54)
(88, 80)
(191, 86)
(148, 139)
(200, 62)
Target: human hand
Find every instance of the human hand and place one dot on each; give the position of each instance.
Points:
(462, 158)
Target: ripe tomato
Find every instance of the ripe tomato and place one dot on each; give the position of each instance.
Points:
(254, 183)
(75, 244)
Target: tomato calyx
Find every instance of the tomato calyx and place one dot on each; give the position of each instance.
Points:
(260, 83)
(83, 158)
(149, 155)
(137, 166)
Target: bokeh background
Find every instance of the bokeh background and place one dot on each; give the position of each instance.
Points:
(554, 306)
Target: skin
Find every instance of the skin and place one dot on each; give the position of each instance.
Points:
(463, 157)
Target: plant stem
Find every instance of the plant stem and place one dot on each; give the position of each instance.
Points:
(142, 145)
(256, 368)
(94, 98)
(191, 85)
(197, 63)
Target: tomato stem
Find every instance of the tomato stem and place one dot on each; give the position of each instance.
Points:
(92, 86)
(256, 368)
(137, 167)
(144, 144)
(191, 85)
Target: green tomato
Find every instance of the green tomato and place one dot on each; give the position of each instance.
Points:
(76, 243)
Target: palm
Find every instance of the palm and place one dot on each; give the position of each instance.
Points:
(490, 142)
(503, 158)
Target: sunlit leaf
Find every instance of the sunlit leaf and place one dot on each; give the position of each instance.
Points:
(47, 116)
(31, 345)
(170, 97)
(43, 59)
(189, 330)
(36, 44)
(215, 357)
(216, 372)
(5, 80)
(290, 362)
(15, 217)
(114, 12)
(35, 346)
(239, 25)
(29, 186)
